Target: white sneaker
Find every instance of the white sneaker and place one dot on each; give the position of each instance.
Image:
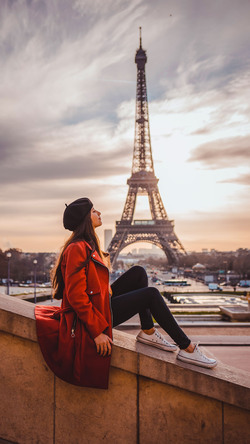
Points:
(156, 340)
(196, 358)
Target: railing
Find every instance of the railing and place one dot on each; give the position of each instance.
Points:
(144, 222)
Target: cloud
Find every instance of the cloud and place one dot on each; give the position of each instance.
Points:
(201, 131)
(243, 179)
(87, 165)
(223, 153)
(67, 94)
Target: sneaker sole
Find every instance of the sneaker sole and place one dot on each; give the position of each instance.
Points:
(154, 344)
(199, 363)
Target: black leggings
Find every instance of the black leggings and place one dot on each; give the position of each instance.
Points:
(131, 295)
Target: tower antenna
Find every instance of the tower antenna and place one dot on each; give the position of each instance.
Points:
(140, 36)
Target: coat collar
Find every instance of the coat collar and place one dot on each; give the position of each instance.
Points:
(95, 256)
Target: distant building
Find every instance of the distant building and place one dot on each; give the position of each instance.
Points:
(213, 251)
(199, 267)
(146, 251)
(107, 238)
(210, 278)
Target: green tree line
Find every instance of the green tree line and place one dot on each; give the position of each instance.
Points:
(236, 261)
(22, 267)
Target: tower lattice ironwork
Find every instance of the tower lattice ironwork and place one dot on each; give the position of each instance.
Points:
(159, 230)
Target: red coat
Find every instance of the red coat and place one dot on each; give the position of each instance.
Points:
(86, 293)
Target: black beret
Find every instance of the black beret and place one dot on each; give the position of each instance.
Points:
(75, 213)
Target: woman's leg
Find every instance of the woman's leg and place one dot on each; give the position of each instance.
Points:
(133, 279)
(126, 305)
(139, 298)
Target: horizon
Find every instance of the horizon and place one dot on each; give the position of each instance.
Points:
(131, 247)
(68, 91)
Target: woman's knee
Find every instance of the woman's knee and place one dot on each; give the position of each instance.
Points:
(140, 274)
(154, 292)
(152, 296)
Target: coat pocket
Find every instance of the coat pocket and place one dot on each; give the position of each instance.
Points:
(93, 290)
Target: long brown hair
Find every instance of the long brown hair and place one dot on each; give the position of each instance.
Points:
(84, 231)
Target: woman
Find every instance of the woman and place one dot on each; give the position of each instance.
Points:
(81, 279)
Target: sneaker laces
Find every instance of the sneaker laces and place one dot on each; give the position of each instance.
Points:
(159, 335)
(200, 352)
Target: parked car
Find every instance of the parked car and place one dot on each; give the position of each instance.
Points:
(213, 287)
(245, 283)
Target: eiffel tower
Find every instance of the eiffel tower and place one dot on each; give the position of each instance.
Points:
(159, 230)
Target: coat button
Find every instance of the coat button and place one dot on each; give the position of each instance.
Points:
(93, 255)
(91, 292)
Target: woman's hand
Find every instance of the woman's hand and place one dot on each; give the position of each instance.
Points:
(103, 344)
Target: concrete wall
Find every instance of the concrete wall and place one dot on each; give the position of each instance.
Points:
(152, 397)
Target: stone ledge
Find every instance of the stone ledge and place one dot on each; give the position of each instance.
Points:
(223, 383)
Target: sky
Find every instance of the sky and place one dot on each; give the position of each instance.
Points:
(67, 115)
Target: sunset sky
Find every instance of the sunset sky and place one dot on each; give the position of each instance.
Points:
(67, 110)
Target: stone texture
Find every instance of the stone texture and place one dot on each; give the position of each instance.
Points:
(223, 383)
(15, 305)
(26, 408)
(171, 415)
(3, 441)
(18, 325)
(178, 402)
(17, 317)
(236, 425)
(124, 355)
(86, 415)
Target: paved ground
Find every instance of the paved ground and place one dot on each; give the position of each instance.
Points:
(238, 357)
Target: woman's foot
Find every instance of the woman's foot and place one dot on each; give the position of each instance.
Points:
(190, 348)
(196, 357)
(155, 339)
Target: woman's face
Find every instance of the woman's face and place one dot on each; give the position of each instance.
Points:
(95, 217)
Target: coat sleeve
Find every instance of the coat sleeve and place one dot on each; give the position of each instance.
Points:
(75, 287)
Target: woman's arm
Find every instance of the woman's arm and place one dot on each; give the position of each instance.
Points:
(76, 285)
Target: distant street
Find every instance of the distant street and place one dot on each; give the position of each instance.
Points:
(213, 298)
(186, 294)
(15, 290)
